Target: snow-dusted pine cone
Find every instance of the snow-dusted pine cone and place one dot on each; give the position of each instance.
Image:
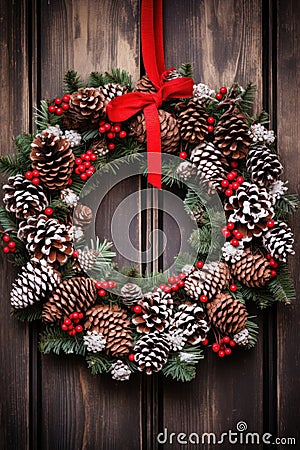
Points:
(23, 198)
(261, 135)
(54, 159)
(232, 254)
(192, 122)
(94, 341)
(190, 318)
(151, 352)
(69, 197)
(242, 338)
(156, 312)
(186, 170)
(46, 238)
(120, 371)
(253, 269)
(82, 215)
(263, 165)
(232, 134)
(227, 314)
(131, 294)
(113, 90)
(279, 241)
(35, 282)
(202, 93)
(145, 85)
(250, 207)
(210, 280)
(99, 146)
(210, 165)
(87, 258)
(74, 294)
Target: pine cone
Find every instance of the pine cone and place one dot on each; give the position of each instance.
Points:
(251, 208)
(279, 241)
(232, 135)
(186, 170)
(82, 215)
(145, 85)
(74, 294)
(54, 159)
(120, 371)
(114, 324)
(210, 165)
(156, 312)
(151, 352)
(263, 165)
(87, 258)
(131, 294)
(168, 129)
(210, 280)
(227, 314)
(46, 239)
(23, 198)
(192, 122)
(99, 146)
(87, 108)
(242, 338)
(191, 319)
(112, 90)
(252, 269)
(33, 284)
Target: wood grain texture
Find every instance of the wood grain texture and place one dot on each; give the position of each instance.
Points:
(14, 336)
(288, 104)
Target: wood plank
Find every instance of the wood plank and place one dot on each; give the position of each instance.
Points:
(288, 122)
(223, 40)
(14, 336)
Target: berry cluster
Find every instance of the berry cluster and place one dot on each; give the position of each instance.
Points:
(229, 231)
(232, 182)
(9, 244)
(273, 264)
(71, 323)
(224, 348)
(202, 298)
(103, 285)
(222, 91)
(34, 176)
(84, 168)
(174, 283)
(210, 126)
(111, 131)
(60, 105)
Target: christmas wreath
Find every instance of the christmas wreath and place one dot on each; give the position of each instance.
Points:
(121, 328)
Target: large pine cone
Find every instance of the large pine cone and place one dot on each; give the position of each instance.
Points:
(33, 284)
(263, 165)
(191, 319)
(210, 166)
(131, 294)
(151, 352)
(82, 215)
(168, 129)
(210, 280)
(113, 90)
(46, 238)
(251, 208)
(232, 135)
(252, 269)
(53, 158)
(87, 108)
(192, 121)
(156, 312)
(145, 85)
(279, 241)
(74, 294)
(23, 198)
(114, 324)
(227, 314)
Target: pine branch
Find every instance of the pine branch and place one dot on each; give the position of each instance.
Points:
(286, 205)
(96, 79)
(180, 369)
(186, 70)
(29, 314)
(9, 165)
(247, 97)
(98, 363)
(44, 119)
(252, 327)
(102, 266)
(60, 210)
(262, 118)
(72, 82)
(6, 220)
(262, 297)
(67, 270)
(281, 286)
(90, 134)
(201, 240)
(119, 76)
(54, 340)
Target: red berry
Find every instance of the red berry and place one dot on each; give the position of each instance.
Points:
(233, 288)
(238, 234)
(57, 101)
(182, 276)
(137, 309)
(232, 343)
(78, 161)
(172, 280)
(101, 130)
(273, 263)
(75, 254)
(111, 135)
(117, 128)
(270, 223)
(89, 152)
(12, 250)
(65, 106)
(87, 164)
(28, 175)
(6, 249)
(107, 126)
(64, 327)
(235, 185)
(51, 109)
(35, 181)
(92, 169)
(77, 171)
(181, 283)
(234, 232)
(49, 211)
(86, 157)
(204, 342)
(59, 111)
(162, 287)
(83, 176)
(231, 176)
(203, 298)
(70, 181)
(273, 273)
(224, 183)
(122, 134)
(6, 238)
(98, 284)
(240, 179)
(78, 328)
(111, 146)
(234, 164)
(67, 322)
(72, 332)
(35, 173)
(183, 155)
(105, 284)
(80, 315)
(219, 96)
(66, 98)
(11, 245)
(234, 172)
(226, 233)
(221, 353)
(93, 157)
(228, 351)
(131, 357)
(230, 226)
(89, 173)
(234, 242)
(210, 128)
(174, 287)
(223, 90)
(210, 120)
(102, 293)
(215, 347)
(168, 290)
(199, 264)
(75, 315)
(81, 168)
(226, 339)
(228, 192)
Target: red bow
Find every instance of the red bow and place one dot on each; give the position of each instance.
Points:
(123, 107)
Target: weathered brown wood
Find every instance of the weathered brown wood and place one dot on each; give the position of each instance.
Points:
(14, 336)
(288, 122)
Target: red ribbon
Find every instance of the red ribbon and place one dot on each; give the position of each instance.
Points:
(123, 107)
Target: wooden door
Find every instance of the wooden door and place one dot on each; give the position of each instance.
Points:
(54, 403)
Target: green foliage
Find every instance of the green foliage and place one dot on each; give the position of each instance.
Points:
(6, 220)
(9, 165)
(98, 363)
(252, 327)
(29, 314)
(262, 297)
(262, 118)
(186, 70)
(183, 369)
(67, 270)
(19, 162)
(90, 134)
(72, 82)
(247, 96)
(44, 119)
(202, 241)
(120, 77)
(285, 205)
(54, 340)
(60, 210)
(77, 184)
(103, 264)
(281, 286)
(96, 79)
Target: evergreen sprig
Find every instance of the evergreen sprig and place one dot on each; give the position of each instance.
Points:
(186, 70)
(183, 368)
(6, 220)
(20, 162)
(252, 327)
(119, 76)
(96, 79)
(98, 363)
(29, 314)
(281, 286)
(60, 210)
(44, 119)
(247, 96)
(103, 264)
(286, 205)
(54, 340)
(72, 82)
